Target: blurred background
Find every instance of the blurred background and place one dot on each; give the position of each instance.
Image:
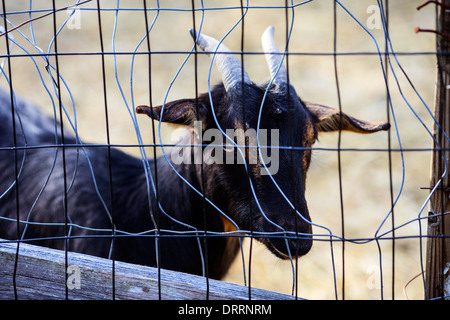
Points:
(363, 270)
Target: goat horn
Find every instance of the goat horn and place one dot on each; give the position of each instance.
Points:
(229, 66)
(273, 57)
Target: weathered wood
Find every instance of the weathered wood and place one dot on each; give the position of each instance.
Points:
(438, 245)
(41, 274)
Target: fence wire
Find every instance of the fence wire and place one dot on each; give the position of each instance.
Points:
(89, 64)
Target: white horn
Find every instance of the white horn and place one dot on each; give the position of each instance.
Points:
(273, 56)
(228, 65)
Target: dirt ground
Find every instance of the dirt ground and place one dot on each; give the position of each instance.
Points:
(350, 270)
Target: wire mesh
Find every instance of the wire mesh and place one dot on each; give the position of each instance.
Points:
(89, 64)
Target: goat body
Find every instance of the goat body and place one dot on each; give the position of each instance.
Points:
(41, 199)
(65, 195)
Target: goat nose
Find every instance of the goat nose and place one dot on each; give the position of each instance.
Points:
(299, 237)
(298, 226)
(301, 246)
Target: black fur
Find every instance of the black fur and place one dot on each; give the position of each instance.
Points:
(227, 186)
(132, 212)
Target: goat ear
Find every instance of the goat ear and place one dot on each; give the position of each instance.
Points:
(183, 111)
(329, 119)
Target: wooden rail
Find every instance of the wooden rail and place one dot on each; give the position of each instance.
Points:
(42, 273)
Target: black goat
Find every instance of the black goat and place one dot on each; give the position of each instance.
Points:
(248, 193)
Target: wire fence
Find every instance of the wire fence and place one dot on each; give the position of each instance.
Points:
(89, 64)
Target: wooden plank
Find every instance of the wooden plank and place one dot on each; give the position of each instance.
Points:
(41, 274)
(438, 245)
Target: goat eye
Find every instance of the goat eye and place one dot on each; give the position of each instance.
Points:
(276, 111)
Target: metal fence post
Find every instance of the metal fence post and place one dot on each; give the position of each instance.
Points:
(438, 246)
